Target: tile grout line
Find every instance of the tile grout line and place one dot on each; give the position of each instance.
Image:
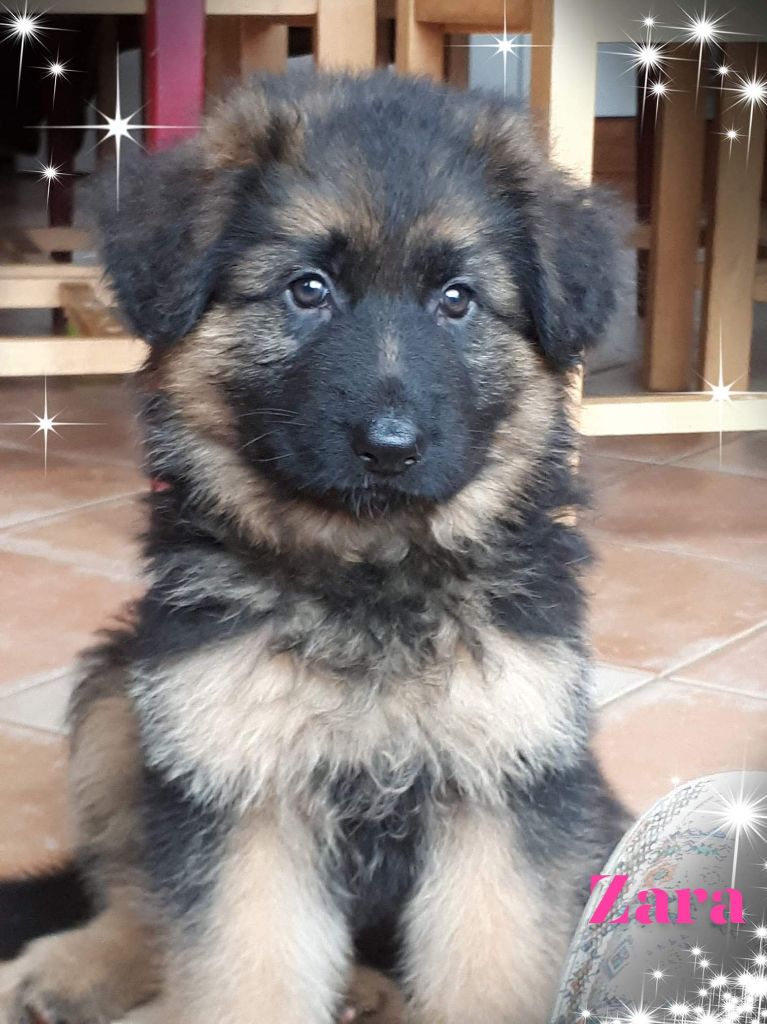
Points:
(25, 683)
(604, 535)
(719, 688)
(43, 517)
(668, 674)
(41, 730)
(736, 638)
(79, 561)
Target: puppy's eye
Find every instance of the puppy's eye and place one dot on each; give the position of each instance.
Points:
(309, 291)
(456, 301)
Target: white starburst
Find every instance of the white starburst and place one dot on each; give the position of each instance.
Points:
(638, 1014)
(646, 56)
(703, 30)
(722, 393)
(742, 816)
(732, 135)
(506, 45)
(47, 424)
(22, 27)
(55, 70)
(749, 91)
(119, 127)
(49, 173)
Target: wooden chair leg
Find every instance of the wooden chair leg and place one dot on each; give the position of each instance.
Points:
(174, 68)
(263, 46)
(728, 311)
(563, 80)
(457, 61)
(222, 56)
(420, 46)
(675, 231)
(345, 36)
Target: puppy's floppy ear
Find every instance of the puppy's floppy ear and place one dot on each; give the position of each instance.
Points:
(158, 243)
(563, 241)
(571, 283)
(162, 242)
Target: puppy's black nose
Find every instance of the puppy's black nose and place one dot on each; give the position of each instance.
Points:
(387, 444)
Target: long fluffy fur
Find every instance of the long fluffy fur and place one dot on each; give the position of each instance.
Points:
(350, 717)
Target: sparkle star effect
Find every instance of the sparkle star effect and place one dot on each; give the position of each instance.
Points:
(504, 46)
(715, 998)
(723, 71)
(749, 91)
(732, 135)
(705, 30)
(47, 424)
(722, 393)
(650, 59)
(743, 816)
(55, 70)
(49, 173)
(22, 27)
(119, 127)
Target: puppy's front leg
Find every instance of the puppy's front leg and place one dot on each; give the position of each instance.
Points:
(262, 941)
(480, 946)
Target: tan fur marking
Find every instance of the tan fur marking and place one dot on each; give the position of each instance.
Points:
(191, 374)
(104, 968)
(476, 948)
(236, 134)
(273, 948)
(389, 353)
(254, 724)
(519, 442)
(104, 778)
(348, 211)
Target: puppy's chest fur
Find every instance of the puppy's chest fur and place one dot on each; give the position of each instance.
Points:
(258, 678)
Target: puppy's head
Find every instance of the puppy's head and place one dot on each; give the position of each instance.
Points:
(365, 289)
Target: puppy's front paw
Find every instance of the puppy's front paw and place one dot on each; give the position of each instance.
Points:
(32, 1004)
(373, 999)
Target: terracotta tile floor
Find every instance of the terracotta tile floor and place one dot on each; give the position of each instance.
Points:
(679, 613)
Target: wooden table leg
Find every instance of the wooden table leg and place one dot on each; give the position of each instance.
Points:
(345, 35)
(675, 230)
(563, 81)
(263, 46)
(238, 46)
(420, 46)
(174, 69)
(728, 310)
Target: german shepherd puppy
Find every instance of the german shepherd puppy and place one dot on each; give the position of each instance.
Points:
(350, 718)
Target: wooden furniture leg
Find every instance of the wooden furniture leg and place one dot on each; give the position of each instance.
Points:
(563, 81)
(174, 69)
(420, 46)
(237, 46)
(675, 230)
(728, 311)
(263, 46)
(345, 35)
